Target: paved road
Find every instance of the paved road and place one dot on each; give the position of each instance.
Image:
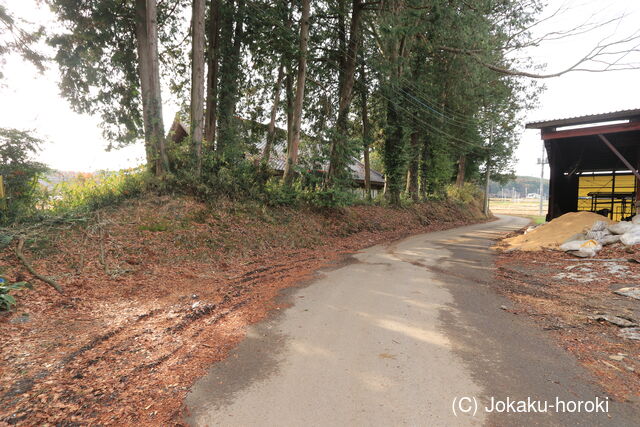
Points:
(391, 338)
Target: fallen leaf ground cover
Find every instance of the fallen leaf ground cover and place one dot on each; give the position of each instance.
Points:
(157, 290)
(566, 296)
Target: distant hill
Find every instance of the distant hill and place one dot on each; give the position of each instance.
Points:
(522, 185)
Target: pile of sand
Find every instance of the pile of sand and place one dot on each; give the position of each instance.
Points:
(554, 233)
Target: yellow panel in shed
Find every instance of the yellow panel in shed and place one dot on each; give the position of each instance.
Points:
(605, 184)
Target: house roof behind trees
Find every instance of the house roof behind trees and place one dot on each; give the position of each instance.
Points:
(278, 158)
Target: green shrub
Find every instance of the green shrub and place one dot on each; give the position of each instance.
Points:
(227, 175)
(7, 300)
(20, 174)
(278, 194)
(465, 194)
(333, 197)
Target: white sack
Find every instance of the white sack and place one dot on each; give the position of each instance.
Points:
(620, 227)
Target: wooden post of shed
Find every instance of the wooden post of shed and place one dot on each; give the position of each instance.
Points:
(553, 182)
(613, 194)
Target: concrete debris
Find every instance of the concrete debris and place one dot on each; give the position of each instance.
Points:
(616, 357)
(620, 227)
(576, 245)
(631, 292)
(597, 235)
(580, 267)
(631, 237)
(614, 269)
(581, 275)
(599, 226)
(615, 320)
(582, 248)
(630, 333)
(609, 239)
(582, 253)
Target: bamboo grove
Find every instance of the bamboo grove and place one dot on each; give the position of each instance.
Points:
(419, 89)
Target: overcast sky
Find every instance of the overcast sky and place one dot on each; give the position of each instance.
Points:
(29, 100)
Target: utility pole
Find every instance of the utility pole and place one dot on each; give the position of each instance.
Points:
(486, 188)
(488, 174)
(542, 161)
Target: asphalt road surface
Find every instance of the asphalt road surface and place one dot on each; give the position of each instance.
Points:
(409, 333)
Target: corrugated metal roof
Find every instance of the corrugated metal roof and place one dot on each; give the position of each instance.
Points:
(587, 119)
(278, 159)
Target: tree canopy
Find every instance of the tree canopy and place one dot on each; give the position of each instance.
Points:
(431, 87)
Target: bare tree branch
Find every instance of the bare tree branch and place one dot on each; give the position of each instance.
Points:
(599, 54)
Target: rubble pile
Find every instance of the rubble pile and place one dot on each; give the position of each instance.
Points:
(551, 235)
(582, 234)
(601, 234)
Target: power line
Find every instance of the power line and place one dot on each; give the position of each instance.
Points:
(398, 106)
(457, 119)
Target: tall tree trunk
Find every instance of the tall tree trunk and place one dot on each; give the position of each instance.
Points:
(271, 130)
(149, 70)
(292, 155)
(338, 157)
(394, 152)
(225, 51)
(462, 166)
(412, 183)
(367, 172)
(342, 40)
(366, 131)
(142, 45)
(162, 164)
(424, 159)
(230, 75)
(197, 82)
(213, 64)
(288, 83)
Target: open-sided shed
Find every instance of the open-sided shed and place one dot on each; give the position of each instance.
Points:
(594, 162)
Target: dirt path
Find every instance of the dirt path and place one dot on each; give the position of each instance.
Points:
(391, 338)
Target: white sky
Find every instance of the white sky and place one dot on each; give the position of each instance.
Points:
(29, 100)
